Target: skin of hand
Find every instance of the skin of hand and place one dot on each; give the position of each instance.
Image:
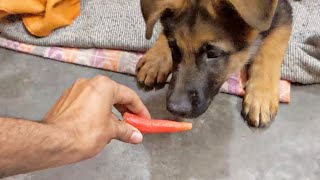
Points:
(85, 110)
(78, 127)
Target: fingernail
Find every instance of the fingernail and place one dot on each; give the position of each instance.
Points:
(136, 138)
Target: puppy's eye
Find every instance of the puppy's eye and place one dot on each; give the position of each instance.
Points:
(213, 51)
(213, 54)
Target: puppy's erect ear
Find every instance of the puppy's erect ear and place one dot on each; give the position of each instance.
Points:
(153, 9)
(257, 13)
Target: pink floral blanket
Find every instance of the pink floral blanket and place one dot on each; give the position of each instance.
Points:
(123, 62)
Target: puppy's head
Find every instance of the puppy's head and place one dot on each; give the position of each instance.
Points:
(209, 41)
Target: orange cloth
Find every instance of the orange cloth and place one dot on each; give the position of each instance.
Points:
(41, 17)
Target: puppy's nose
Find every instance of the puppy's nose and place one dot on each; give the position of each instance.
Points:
(179, 105)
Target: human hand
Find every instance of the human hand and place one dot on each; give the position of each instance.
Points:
(85, 112)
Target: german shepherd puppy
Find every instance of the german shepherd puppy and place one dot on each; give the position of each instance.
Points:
(205, 41)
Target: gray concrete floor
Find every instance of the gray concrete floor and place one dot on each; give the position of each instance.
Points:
(221, 146)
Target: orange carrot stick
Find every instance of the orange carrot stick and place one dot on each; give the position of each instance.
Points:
(147, 126)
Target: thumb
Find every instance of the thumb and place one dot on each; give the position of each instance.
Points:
(126, 133)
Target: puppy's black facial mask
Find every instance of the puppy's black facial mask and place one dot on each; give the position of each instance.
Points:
(195, 83)
(201, 47)
(209, 40)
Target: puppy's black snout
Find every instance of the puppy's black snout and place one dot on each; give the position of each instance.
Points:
(179, 104)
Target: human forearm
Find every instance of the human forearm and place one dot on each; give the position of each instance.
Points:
(26, 146)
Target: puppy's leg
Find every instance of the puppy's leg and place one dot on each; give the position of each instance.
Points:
(156, 64)
(261, 101)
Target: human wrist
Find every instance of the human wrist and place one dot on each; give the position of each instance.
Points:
(65, 145)
(77, 144)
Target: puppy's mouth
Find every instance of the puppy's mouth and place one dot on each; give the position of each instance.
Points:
(188, 116)
(191, 116)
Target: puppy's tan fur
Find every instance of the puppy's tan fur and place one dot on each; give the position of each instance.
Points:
(257, 19)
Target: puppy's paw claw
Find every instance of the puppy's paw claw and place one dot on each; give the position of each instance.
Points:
(153, 68)
(260, 107)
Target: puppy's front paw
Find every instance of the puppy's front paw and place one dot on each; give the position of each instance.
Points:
(260, 103)
(153, 68)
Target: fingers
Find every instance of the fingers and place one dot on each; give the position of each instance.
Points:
(73, 94)
(126, 133)
(114, 117)
(128, 98)
(121, 108)
(110, 91)
(120, 95)
(61, 101)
